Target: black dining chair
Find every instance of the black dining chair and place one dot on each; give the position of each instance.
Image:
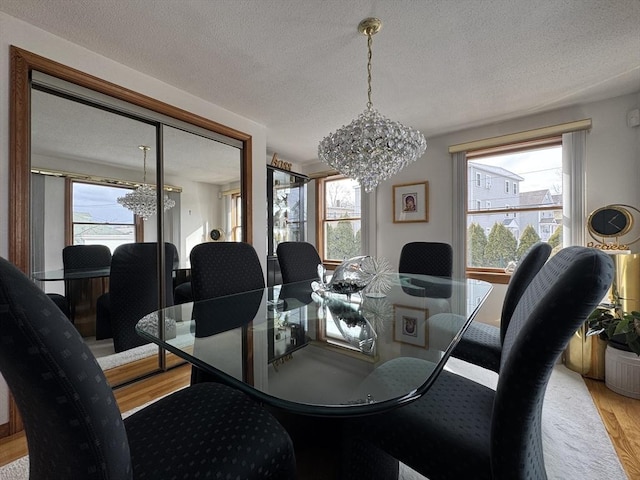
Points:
(461, 429)
(133, 290)
(219, 269)
(298, 261)
(82, 257)
(481, 344)
(73, 426)
(427, 258)
(224, 268)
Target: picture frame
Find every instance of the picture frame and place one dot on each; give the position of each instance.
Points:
(410, 325)
(411, 202)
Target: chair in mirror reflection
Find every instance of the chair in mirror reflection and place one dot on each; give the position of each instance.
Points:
(83, 258)
(133, 290)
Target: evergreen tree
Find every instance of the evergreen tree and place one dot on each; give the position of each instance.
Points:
(342, 242)
(501, 247)
(528, 238)
(556, 238)
(476, 246)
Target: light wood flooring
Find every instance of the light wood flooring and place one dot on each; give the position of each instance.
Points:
(621, 415)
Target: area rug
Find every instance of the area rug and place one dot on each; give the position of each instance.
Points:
(575, 442)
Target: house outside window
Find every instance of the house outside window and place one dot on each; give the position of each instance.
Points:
(514, 218)
(339, 214)
(98, 218)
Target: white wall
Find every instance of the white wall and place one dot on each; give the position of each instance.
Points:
(612, 176)
(28, 37)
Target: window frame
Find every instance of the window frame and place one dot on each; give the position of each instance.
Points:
(490, 274)
(138, 225)
(321, 183)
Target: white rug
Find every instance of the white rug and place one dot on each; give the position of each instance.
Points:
(576, 444)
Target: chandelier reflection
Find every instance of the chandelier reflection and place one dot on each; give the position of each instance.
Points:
(142, 200)
(371, 148)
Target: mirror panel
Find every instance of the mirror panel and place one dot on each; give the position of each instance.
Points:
(91, 142)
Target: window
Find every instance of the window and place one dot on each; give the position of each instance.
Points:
(487, 182)
(478, 179)
(98, 218)
(339, 211)
(522, 217)
(236, 217)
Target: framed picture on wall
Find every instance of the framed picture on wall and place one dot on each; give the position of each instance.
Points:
(411, 202)
(410, 325)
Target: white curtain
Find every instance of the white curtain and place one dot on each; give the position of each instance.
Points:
(574, 146)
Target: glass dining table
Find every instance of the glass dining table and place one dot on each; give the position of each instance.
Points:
(322, 353)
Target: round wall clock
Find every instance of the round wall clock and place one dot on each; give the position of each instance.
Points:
(610, 221)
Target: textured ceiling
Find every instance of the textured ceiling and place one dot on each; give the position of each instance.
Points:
(299, 66)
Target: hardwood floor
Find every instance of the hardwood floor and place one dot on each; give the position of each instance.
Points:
(620, 415)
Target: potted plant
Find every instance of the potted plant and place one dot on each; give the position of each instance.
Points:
(621, 331)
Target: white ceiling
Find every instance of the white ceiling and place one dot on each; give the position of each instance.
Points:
(299, 66)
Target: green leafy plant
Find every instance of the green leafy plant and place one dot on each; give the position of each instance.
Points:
(614, 324)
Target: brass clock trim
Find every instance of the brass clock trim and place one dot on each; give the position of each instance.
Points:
(620, 210)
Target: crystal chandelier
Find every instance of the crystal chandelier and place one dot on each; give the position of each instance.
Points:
(142, 200)
(371, 148)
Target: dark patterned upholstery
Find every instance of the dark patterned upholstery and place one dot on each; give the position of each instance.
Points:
(298, 261)
(224, 268)
(219, 269)
(133, 285)
(74, 428)
(79, 257)
(482, 343)
(427, 258)
(460, 429)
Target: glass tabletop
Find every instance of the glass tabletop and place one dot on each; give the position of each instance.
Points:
(326, 355)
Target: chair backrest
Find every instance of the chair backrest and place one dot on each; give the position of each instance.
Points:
(554, 305)
(529, 266)
(298, 261)
(224, 268)
(73, 426)
(85, 256)
(133, 289)
(426, 258)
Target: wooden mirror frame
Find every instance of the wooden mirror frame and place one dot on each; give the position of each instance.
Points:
(23, 63)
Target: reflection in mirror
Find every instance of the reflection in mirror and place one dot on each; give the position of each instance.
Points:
(208, 175)
(85, 157)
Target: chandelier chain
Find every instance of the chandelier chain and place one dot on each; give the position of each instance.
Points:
(369, 44)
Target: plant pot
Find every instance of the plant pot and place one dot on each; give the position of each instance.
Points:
(585, 354)
(622, 371)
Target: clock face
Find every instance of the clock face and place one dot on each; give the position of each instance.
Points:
(610, 221)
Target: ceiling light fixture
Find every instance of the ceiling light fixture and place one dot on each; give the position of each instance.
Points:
(142, 200)
(371, 148)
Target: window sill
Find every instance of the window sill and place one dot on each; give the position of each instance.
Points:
(496, 277)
